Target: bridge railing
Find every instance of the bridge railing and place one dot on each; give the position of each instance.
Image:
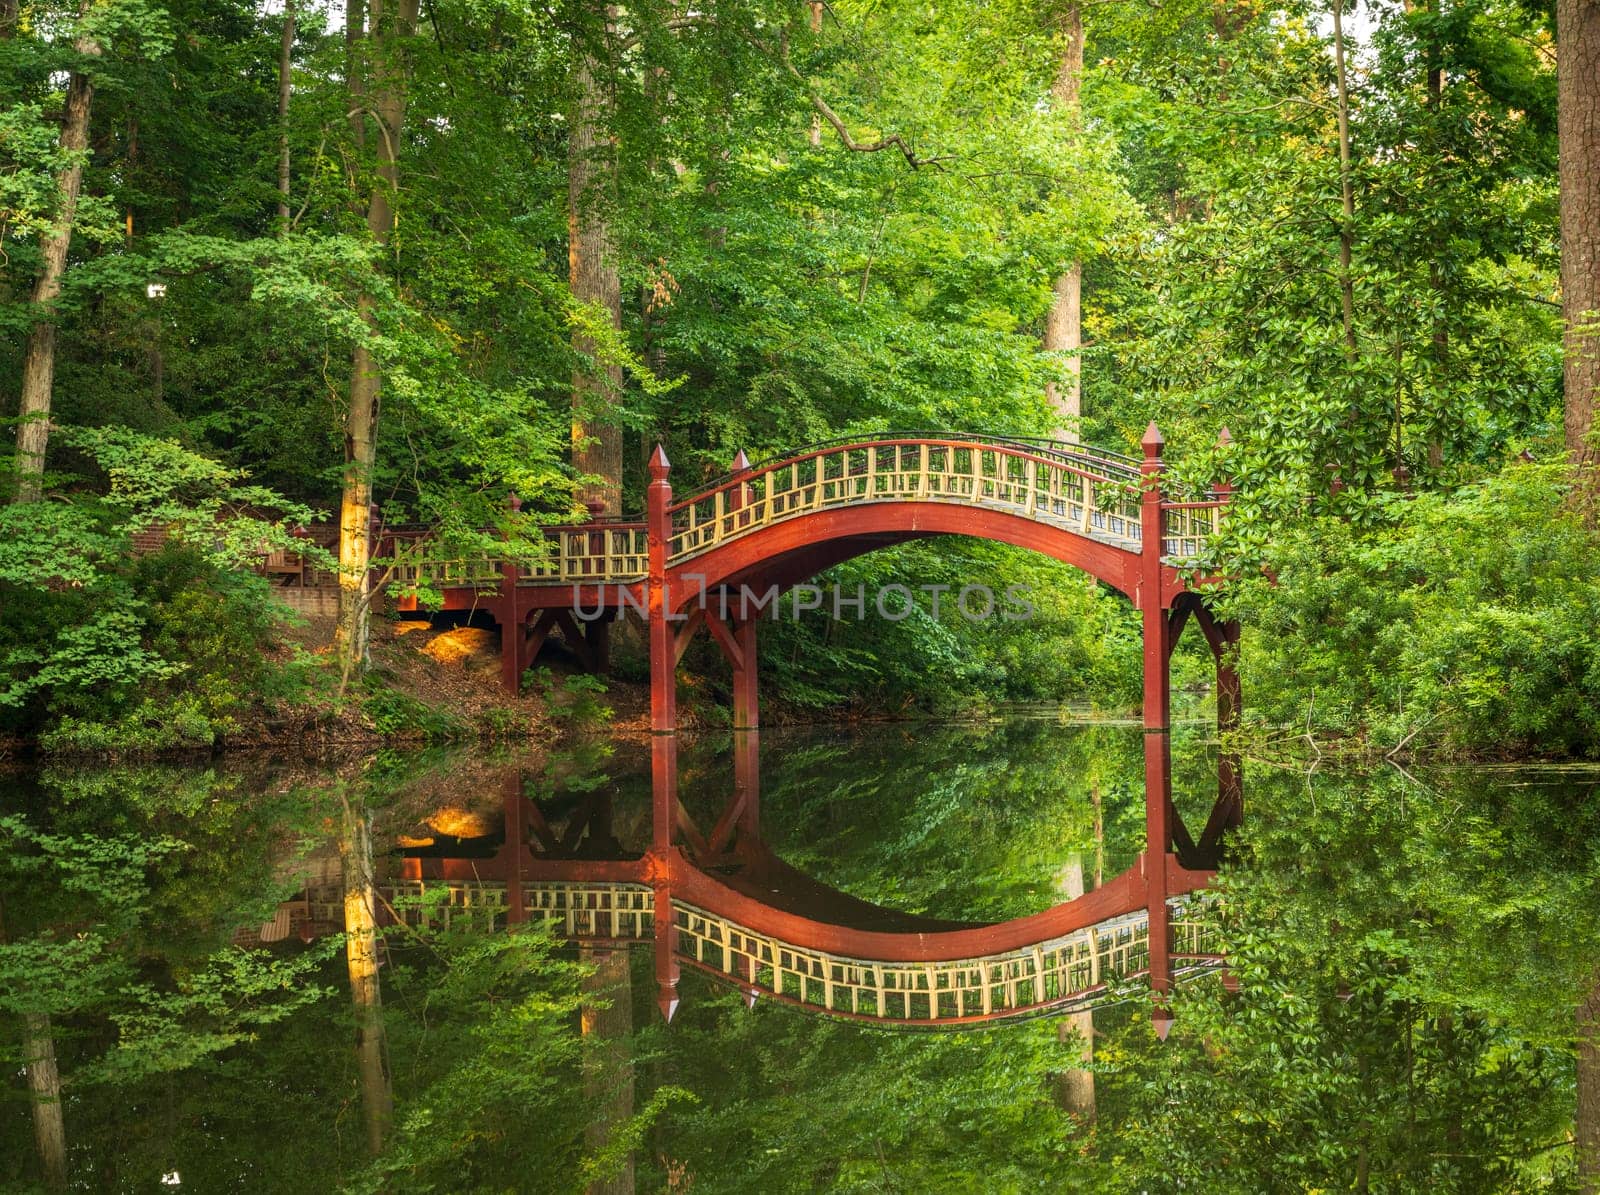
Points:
(1101, 501)
(1087, 491)
(1097, 963)
(596, 552)
(1187, 526)
(1075, 969)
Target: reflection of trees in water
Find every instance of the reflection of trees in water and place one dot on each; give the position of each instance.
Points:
(972, 822)
(1410, 957)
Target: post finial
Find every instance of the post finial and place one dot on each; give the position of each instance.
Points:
(1224, 437)
(513, 503)
(1153, 441)
(660, 466)
(741, 463)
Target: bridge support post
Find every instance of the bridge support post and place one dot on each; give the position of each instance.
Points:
(663, 724)
(663, 657)
(1157, 726)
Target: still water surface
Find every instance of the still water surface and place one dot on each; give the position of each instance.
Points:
(1409, 953)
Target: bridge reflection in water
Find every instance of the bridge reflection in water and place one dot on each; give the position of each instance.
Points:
(726, 905)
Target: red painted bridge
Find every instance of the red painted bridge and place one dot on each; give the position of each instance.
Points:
(695, 563)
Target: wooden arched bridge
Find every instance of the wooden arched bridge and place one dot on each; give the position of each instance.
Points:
(720, 560)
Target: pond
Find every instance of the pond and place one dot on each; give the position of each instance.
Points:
(1405, 954)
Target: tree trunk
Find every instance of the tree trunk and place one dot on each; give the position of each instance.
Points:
(1588, 1114)
(1063, 326)
(592, 268)
(1578, 104)
(388, 96)
(1347, 294)
(608, 1066)
(44, 1084)
(361, 961)
(39, 357)
(816, 31)
(44, 1093)
(285, 53)
(1075, 1087)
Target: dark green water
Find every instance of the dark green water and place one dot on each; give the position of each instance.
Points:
(1410, 951)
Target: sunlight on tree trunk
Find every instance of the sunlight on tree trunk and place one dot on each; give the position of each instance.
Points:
(361, 960)
(388, 107)
(593, 276)
(39, 356)
(1578, 117)
(1063, 328)
(608, 1065)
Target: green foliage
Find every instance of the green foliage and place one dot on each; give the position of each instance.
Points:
(1031, 630)
(840, 1107)
(1465, 620)
(1408, 957)
(399, 715)
(574, 700)
(111, 648)
(494, 1042)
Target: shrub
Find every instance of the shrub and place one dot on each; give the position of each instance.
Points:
(1467, 621)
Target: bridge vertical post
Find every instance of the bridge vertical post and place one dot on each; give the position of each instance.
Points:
(1157, 725)
(513, 640)
(663, 656)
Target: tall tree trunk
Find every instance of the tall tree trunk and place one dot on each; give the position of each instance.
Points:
(608, 1066)
(1075, 1087)
(1588, 1114)
(1347, 225)
(285, 54)
(1578, 107)
(1063, 326)
(593, 276)
(388, 106)
(39, 357)
(361, 961)
(816, 31)
(1433, 75)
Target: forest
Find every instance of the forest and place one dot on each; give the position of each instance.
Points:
(265, 270)
(280, 280)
